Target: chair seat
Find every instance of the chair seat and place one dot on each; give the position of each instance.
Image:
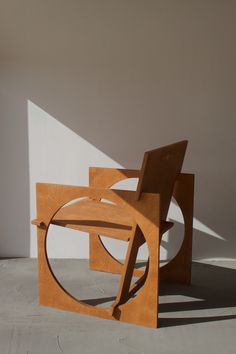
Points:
(99, 218)
(96, 217)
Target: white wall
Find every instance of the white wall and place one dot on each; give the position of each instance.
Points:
(58, 155)
(115, 79)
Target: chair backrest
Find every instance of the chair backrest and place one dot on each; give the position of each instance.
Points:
(159, 171)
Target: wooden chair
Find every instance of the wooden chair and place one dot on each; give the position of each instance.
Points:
(133, 216)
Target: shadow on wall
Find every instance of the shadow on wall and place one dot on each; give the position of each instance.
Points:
(127, 79)
(14, 177)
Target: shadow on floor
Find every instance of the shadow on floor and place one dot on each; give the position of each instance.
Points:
(213, 287)
(213, 290)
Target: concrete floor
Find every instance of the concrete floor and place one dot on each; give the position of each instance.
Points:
(196, 319)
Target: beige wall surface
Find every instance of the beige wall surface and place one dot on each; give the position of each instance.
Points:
(123, 77)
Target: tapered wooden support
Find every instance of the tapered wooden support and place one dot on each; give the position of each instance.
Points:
(128, 269)
(178, 270)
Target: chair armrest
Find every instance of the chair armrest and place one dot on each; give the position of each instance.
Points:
(52, 197)
(38, 222)
(102, 177)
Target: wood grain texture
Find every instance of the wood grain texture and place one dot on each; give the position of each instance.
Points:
(178, 270)
(133, 216)
(92, 216)
(50, 199)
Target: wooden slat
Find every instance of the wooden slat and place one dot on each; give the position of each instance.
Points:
(128, 268)
(96, 217)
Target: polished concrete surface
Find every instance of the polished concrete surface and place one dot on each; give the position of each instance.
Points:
(200, 318)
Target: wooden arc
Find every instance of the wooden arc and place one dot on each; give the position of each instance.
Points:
(53, 294)
(178, 269)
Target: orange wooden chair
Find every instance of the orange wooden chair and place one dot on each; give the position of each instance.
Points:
(133, 216)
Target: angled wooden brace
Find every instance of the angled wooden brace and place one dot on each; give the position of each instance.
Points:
(179, 268)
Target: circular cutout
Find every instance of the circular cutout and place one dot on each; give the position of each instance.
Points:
(63, 248)
(68, 252)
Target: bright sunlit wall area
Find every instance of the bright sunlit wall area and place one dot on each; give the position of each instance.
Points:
(79, 89)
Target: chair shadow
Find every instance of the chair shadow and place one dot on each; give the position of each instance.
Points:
(213, 287)
(140, 264)
(98, 301)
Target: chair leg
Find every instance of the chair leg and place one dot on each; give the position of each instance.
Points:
(128, 268)
(143, 308)
(178, 270)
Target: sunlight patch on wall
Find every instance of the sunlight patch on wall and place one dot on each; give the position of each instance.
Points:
(176, 215)
(59, 155)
